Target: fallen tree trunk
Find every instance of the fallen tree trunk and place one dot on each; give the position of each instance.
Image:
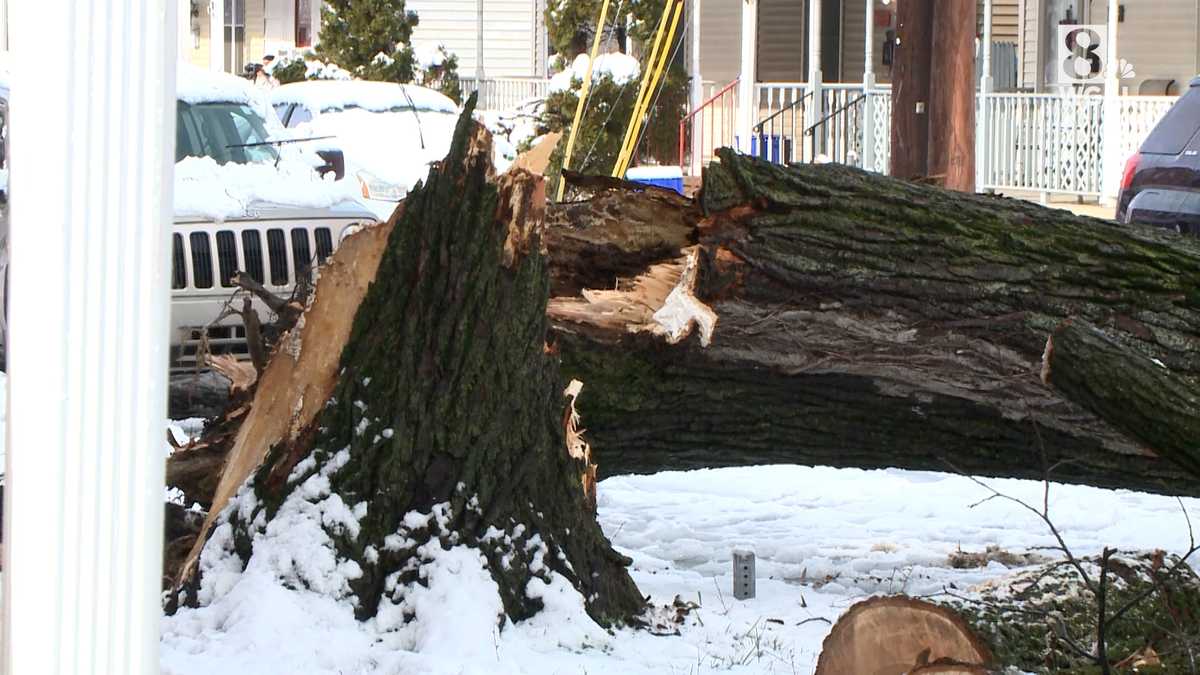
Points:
(420, 414)
(862, 321)
(1149, 402)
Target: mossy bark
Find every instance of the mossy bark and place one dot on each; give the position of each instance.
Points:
(448, 402)
(872, 322)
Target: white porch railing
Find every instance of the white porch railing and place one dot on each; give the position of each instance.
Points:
(1044, 143)
(504, 93)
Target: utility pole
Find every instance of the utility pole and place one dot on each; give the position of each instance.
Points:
(952, 95)
(933, 120)
(910, 88)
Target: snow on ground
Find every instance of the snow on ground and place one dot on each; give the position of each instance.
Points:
(622, 68)
(824, 538)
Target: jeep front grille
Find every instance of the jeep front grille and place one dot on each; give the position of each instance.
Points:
(277, 251)
(252, 249)
(178, 266)
(193, 265)
(223, 339)
(202, 271)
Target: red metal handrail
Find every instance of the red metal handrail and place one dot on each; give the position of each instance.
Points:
(683, 123)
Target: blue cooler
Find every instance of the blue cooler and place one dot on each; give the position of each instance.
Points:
(670, 177)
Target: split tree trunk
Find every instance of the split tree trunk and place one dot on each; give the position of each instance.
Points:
(864, 321)
(447, 402)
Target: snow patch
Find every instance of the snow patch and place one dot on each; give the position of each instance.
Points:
(622, 68)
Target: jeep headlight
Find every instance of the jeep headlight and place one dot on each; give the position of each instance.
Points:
(374, 188)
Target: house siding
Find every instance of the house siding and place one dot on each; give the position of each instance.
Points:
(720, 41)
(510, 30)
(1029, 45)
(781, 41)
(1158, 40)
(854, 14)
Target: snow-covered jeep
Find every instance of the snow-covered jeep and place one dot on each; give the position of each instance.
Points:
(243, 203)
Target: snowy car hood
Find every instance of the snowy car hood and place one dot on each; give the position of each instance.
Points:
(206, 190)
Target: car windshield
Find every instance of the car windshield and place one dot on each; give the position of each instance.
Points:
(221, 131)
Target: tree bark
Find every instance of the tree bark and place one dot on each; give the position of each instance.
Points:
(868, 322)
(447, 402)
(1134, 393)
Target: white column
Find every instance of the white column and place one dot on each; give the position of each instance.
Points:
(184, 21)
(216, 35)
(747, 94)
(813, 111)
(4, 25)
(983, 111)
(1111, 138)
(88, 306)
(697, 93)
(868, 123)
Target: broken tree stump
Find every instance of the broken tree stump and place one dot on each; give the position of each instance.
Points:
(433, 419)
(863, 321)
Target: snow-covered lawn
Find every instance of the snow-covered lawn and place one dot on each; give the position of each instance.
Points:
(824, 538)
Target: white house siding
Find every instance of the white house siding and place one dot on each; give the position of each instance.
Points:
(1029, 44)
(1157, 39)
(1005, 20)
(510, 29)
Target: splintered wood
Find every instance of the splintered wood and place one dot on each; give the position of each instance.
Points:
(660, 302)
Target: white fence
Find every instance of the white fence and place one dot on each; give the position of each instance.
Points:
(1044, 143)
(505, 93)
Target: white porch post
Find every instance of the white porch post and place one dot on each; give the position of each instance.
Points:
(1111, 139)
(868, 123)
(814, 110)
(216, 35)
(184, 20)
(88, 306)
(3, 25)
(983, 111)
(697, 94)
(747, 93)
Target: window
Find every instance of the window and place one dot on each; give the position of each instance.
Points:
(227, 132)
(235, 36)
(303, 23)
(300, 115)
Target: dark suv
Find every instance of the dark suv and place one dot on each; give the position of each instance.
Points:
(1161, 182)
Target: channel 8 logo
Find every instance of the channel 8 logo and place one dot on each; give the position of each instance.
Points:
(1081, 53)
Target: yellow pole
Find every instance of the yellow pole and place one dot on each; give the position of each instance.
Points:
(587, 86)
(662, 63)
(647, 74)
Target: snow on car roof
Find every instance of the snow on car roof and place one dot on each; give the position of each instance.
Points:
(322, 95)
(197, 85)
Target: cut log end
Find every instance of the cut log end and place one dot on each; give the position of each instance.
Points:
(896, 635)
